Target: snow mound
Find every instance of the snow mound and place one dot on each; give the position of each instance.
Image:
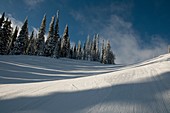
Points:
(31, 84)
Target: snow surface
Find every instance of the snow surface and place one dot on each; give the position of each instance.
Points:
(31, 84)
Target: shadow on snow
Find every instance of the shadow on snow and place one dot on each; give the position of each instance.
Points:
(144, 94)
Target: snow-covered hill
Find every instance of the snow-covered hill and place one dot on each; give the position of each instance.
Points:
(30, 84)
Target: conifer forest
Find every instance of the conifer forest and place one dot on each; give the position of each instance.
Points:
(19, 42)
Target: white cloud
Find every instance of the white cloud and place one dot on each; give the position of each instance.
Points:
(77, 16)
(126, 44)
(32, 3)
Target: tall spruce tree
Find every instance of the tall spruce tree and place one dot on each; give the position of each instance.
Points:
(108, 57)
(84, 52)
(97, 53)
(56, 52)
(102, 52)
(56, 32)
(88, 48)
(30, 49)
(71, 53)
(105, 56)
(111, 56)
(39, 48)
(65, 44)
(59, 47)
(21, 42)
(5, 36)
(74, 51)
(50, 43)
(2, 19)
(93, 49)
(68, 48)
(13, 39)
(79, 51)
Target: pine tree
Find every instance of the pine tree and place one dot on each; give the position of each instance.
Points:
(2, 19)
(106, 53)
(68, 48)
(79, 52)
(65, 44)
(84, 51)
(108, 57)
(30, 49)
(71, 53)
(111, 58)
(21, 42)
(88, 44)
(50, 44)
(5, 36)
(105, 56)
(56, 52)
(97, 53)
(93, 49)
(59, 47)
(39, 48)
(13, 39)
(102, 52)
(56, 32)
(74, 52)
(108, 49)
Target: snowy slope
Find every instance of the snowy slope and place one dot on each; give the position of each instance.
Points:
(30, 84)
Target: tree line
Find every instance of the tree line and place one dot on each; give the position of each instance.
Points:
(55, 46)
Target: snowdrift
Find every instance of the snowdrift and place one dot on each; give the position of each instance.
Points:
(31, 84)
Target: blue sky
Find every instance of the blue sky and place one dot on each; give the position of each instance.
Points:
(137, 29)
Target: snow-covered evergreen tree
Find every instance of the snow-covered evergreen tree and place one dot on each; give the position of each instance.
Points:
(71, 53)
(5, 36)
(111, 58)
(74, 52)
(108, 47)
(21, 42)
(65, 44)
(68, 47)
(88, 48)
(79, 51)
(2, 19)
(97, 53)
(50, 43)
(31, 45)
(56, 52)
(108, 57)
(105, 56)
(93, 49)
(84, 51)
(12, 40)
(39, 48)
(102, 52)
(59, 47)
(56, 31)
